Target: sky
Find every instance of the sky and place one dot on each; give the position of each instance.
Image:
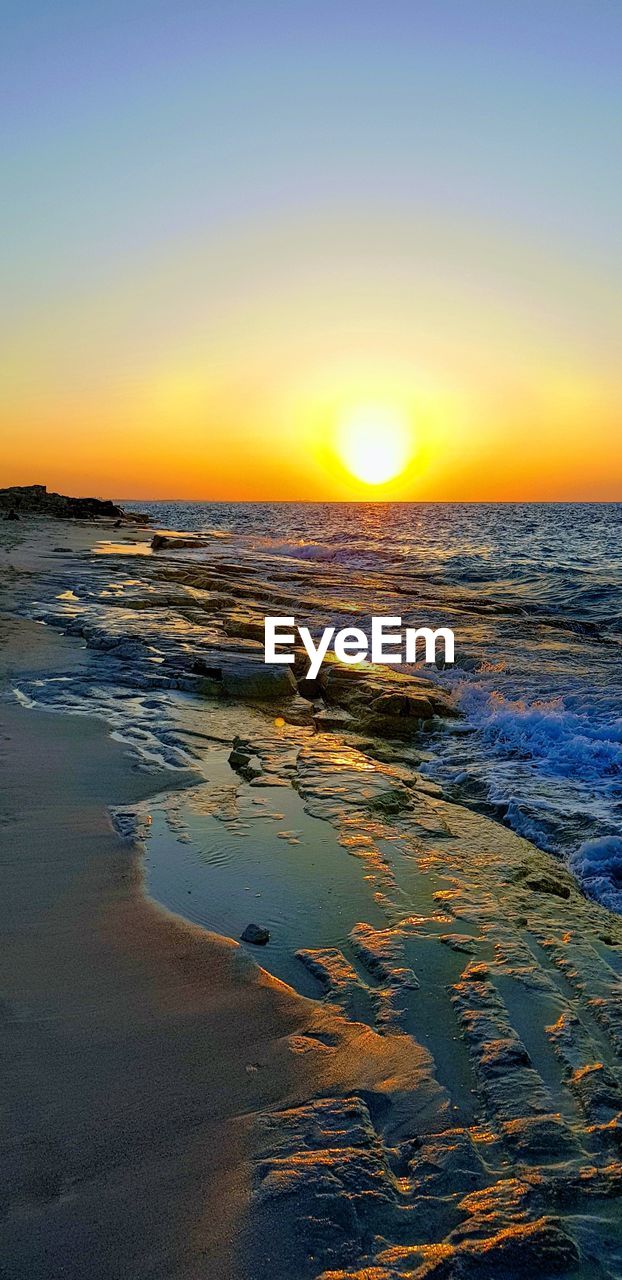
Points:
(230, 228)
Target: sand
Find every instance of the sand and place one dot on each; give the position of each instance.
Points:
(172, 1110)
(135, 1047)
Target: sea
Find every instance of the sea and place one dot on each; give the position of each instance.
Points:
(533, 593)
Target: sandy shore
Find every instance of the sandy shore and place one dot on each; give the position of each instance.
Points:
(171, 1110)
(135, 1047)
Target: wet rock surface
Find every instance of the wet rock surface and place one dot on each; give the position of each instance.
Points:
(256, 934)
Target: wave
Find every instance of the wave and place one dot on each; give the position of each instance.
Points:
(304, 550)
(327, 553)
(563, 742)
(598, 866)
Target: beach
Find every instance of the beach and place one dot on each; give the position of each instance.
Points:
(418, 1076)
(310, 640)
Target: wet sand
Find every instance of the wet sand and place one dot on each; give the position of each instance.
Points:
(135, 1047)
(451, 1108)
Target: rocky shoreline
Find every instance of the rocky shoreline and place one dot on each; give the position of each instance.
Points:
(490, 1147)
(34, 500)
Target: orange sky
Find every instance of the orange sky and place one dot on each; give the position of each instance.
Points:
(226, 237)
(253, 410)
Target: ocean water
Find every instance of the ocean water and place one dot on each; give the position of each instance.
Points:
(534, 596)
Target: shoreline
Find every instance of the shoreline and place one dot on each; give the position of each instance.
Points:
(135, 1045)
(120, 1013)
(130, 1037)
(544, 754)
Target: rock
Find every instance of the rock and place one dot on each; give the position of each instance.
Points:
(245, 762)
(499, 1056)
(548, 884)
(128, 649)
(398, 715)
(322, 1179)
(252, 768)
(402, 705)
(459, 942)
(298, 711)
(208, 688)
(387, 696)
(524, 1249)
(428, 788)
(256, 934)
(258, 682)
(541, 1139)
(34, 499)
(382, 953)
(164, 541)
(243, 625)
(333, 718)
(308, 687)
(597, 1090)
(391, 801)
(382, 703)
(330, 967)
(447, 1162)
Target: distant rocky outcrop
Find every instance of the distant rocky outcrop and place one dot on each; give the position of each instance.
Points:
(34, 499)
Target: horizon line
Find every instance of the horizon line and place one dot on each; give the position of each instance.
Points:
(405, 502)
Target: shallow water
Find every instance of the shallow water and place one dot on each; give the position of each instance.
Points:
(334, 885)
(266, 861)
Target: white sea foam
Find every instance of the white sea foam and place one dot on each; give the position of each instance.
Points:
(598, 865)
(563, 742)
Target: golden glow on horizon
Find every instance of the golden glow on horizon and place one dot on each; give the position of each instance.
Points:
(261, 407)
(374, 443)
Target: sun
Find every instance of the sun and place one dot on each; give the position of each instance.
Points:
(375, 443)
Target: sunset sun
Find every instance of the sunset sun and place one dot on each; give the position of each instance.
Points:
(374, 443)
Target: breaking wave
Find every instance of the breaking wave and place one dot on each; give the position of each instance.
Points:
(598, 865)
(564, 743)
